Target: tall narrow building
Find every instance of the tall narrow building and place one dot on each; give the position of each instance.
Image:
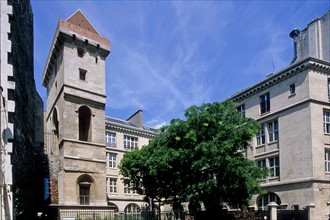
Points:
(22, 164)
(74, 76)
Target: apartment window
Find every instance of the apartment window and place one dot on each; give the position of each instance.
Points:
(80, 52)
(274, 166)
(272, 131)
(261, 136)
(261, 163)
(329, 88)
(111, 160)
(327, 160)
(241, 109)
(292, 89)
(112, 185)
(265, 103)
(264, 200)
(110, 138)
(130, 143)
(82, 74)
(326, 122)
(127, 188)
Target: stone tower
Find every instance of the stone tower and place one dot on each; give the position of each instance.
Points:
(74, 76)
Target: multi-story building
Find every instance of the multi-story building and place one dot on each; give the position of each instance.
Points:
(293, 108)
(84, 147)
(21, 150)
(123, 136)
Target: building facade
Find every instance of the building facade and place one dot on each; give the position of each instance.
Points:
(21, 116)
(83, 146)
(123, 136)
(74, 76)
(293, 109)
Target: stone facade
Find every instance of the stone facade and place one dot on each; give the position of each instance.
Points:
(293, 109)
(74, 76)
(123, 136)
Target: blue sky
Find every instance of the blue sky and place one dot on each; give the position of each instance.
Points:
(168, 55)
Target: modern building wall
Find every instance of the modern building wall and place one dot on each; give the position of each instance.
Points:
(294, 141)
(21, 116)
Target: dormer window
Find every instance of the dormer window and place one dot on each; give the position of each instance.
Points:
(81, 52)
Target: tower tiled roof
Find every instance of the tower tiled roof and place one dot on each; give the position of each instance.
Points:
(79, 19)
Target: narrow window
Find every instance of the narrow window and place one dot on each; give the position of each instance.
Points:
(82, 74)
(274, 166)
(261, 136)
(265, 103)
(329, 88)
(11, 94)
(292, 89)
(96, 59)
(11, 117)
(84, 194)
(84, 123)
(80, 52)
(110, 139)
(272, 131)
(111, 160)
(84, 183)
(241, 109)
(112, 184)
(327, 160)
(127, 186)
(10, 58)
(326, 122)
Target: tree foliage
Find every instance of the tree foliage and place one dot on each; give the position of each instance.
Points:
(200, 158)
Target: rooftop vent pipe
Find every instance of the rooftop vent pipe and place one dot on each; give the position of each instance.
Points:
(294, 35)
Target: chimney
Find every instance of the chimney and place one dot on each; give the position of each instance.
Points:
(294, 35)
(136, 119)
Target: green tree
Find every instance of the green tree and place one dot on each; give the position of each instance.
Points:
(200, 158)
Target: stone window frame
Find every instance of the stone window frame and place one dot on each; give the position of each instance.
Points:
(272, 128)
(326, 121)
(111, 160)
(265, 103)
(131, 142)
(110, 139)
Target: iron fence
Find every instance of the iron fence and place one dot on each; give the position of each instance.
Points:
(90, 214)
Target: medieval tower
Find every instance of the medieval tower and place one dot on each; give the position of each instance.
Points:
(74, 76)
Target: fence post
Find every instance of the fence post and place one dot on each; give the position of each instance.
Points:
(272, 207)
(310, 208)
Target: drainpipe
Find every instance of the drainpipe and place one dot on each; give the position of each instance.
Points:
(294, 35)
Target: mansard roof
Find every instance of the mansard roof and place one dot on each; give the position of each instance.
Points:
(128, 126)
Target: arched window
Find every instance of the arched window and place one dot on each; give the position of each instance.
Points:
(113, 206)
(85, 123)
(84, 183)
(132, 208)
(265, 199)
